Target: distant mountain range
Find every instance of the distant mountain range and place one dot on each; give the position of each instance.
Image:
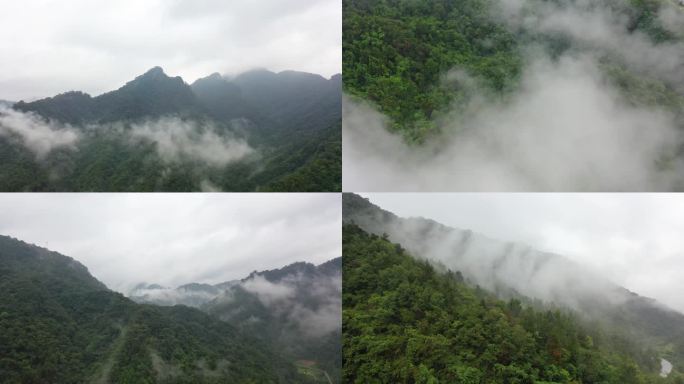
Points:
(289, 120)
(275, 99)
(53, 314)
(516, 271)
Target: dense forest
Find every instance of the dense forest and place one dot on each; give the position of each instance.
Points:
(259, 131)
(304, 325)
(406, 321)
(411, 58)
(61, 325)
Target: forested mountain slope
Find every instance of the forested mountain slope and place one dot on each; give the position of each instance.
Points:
(406, 322)
(296, 308)
(61, 325)
(515, 271)
(258, 131)
(402, 54)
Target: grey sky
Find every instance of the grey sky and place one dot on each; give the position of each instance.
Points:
(52, 46)
(635, 240)
(173, 239)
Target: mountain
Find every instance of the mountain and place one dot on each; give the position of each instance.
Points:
(152, 94)
(518, 272)
(297, 308)
(54, 314)
(258, 131)
(276, 100)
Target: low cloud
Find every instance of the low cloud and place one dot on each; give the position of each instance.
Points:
(178, 140)
(36, 134)
(293, 296)
(567, 126)
(565, 129)
(270, 293)
(505, 268)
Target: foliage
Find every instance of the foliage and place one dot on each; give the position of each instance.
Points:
(396, 53)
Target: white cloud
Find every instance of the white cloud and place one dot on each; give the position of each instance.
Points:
(36, 134)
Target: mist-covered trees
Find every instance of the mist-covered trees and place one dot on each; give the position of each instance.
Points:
(415, 60)
(404, 322)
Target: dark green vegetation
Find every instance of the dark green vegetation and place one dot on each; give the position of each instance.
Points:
(397, 53)
(61, 325)
(297, 309)
(305, 325)
(405, 322)
(291, 120)
(411, 301)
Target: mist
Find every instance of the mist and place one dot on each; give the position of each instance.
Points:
(567, 127)
(502, 267)
(574, 250)
(309, 302)
(282, 296)
(35, 134)
(177, 140)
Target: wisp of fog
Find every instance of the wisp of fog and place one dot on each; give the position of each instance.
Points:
(175, 140)
(37, 135)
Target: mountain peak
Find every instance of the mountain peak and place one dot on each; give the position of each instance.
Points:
(155, 71)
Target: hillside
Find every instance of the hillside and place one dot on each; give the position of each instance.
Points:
(54, 314)
(517, 272)
(407, 322)
(258, 131)
(296, 308)
(398, 53)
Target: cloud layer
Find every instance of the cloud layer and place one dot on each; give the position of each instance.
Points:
(174, 239)
(96, 45)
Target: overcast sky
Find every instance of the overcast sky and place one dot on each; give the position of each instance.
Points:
(53, 46)
(636, 240)
(174, 239)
